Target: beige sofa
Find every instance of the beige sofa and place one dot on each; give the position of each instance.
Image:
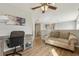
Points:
(65, 40)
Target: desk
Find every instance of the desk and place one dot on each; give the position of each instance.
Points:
(3, 46)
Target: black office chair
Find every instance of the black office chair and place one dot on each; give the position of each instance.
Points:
(16, 39)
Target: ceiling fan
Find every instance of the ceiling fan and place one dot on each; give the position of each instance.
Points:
(44, 7)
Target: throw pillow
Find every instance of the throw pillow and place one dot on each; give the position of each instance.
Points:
(64, 35)
(54, 34)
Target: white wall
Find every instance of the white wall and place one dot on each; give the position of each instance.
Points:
(11, 10)
(65, 25)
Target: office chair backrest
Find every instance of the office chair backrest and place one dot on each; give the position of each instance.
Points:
(16, 38)
(17, 34)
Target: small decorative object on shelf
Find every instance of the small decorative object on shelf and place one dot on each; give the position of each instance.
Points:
(28, 44)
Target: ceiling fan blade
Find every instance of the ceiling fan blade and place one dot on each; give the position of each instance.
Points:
(36, 7)
(52, 7)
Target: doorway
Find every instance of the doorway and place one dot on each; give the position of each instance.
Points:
(37, 30)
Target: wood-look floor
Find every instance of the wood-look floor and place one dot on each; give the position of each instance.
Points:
(42, 49)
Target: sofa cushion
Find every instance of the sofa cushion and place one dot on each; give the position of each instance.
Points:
(61, 40)
(64, 35)
(54, 34)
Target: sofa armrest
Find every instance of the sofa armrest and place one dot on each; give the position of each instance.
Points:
(43, 37)
(72, 39)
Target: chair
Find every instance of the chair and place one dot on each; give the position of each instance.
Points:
(16, 39)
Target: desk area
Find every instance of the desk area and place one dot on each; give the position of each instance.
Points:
(3, 37)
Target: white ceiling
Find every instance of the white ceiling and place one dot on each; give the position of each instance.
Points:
(64, 12)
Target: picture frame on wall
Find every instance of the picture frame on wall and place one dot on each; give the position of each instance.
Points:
(16, 21)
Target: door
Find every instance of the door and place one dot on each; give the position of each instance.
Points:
(37, 29)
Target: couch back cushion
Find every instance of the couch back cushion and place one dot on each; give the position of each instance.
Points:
(64, 35)
(54, 34)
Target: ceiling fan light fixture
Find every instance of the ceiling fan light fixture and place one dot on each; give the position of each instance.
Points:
(44, 8)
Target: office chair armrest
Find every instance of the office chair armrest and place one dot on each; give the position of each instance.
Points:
(7, 42)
